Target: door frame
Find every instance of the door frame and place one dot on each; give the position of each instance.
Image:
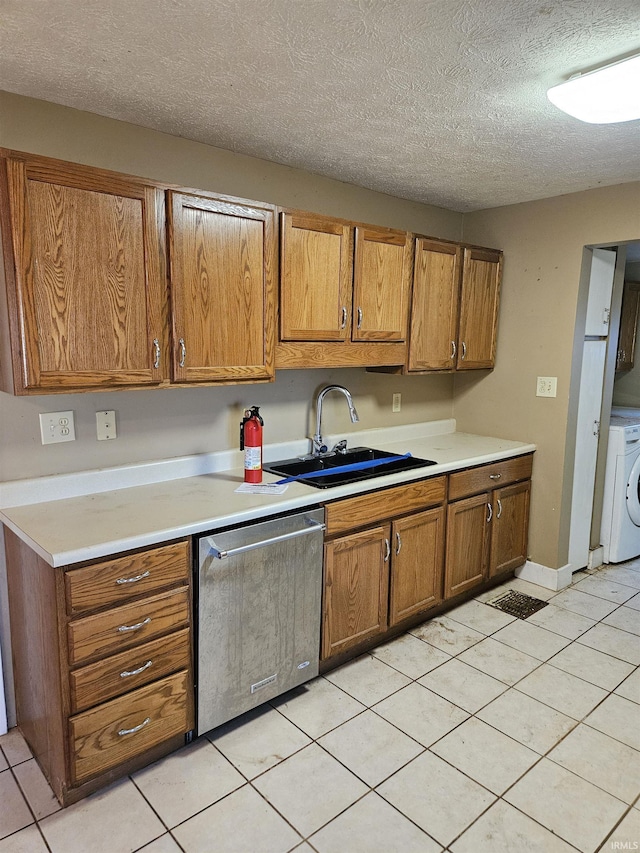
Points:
(607, 394)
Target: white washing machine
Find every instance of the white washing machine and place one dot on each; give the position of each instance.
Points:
(620, 532)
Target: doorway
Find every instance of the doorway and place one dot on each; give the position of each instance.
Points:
(594, 388)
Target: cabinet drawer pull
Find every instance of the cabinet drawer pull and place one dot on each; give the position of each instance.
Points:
(489, 513)
(183, 352)
(359, 317)
(398, 543)
(495, 476)
(387, 554)
(128, 673)
(464, 350)
(499, 513)
(454, 349)
(135, 729)
(135, 627)
(156, 353)
(133, 580)
(343, 324)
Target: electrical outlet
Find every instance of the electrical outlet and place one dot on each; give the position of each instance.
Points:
(396, 405)
(57, 426)
(106, 425)
(547, 386)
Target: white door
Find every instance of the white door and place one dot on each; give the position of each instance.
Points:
(584, 473)
(603, 265)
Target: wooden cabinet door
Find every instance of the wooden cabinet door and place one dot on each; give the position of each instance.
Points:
(315, 278)
(89, 273)
(628, 327)
(509, 527)
(356, 589)
(381, 284)
(417, 544)
(479, 308)
(467, 552)
(435, 301)
(221, 254)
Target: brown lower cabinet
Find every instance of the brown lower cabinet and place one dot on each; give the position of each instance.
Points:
(395, 555)
(102, 661)
(378, 576)
(487, 528)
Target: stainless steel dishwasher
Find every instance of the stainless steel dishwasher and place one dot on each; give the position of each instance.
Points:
(258, 597)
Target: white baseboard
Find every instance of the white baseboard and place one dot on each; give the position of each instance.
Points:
(544, 575)
(596, 558)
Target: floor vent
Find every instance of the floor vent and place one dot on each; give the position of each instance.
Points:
(517, 603)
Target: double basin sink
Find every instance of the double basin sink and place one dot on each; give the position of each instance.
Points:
(327, 470)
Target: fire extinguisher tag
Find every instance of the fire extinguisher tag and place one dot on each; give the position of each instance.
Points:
(252, 458)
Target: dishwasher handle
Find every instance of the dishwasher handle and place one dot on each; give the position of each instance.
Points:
(219, 554)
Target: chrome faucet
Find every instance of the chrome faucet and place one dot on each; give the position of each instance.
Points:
(319, 446)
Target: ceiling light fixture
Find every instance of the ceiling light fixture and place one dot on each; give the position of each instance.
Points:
(607, 95)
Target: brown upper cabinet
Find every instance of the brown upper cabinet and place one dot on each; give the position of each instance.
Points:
(381, 284)
(343, 284)
(315, 278)
(112, 281)
(87, 302)
(221, 255)
(455, 307)
(85, 270)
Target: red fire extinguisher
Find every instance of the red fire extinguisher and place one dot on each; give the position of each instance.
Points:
(251, 443)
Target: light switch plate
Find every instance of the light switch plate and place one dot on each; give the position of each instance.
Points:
(106, 425)
(396, 403)
(56, 427)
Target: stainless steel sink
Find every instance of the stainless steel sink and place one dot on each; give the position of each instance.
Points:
(324, 475)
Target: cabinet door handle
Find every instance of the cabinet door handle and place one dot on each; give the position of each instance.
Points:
(464, 350)
(359, 317)
(387, 546)
(499, 513)
(398, 543)
(343, 323)
(454, 350)
(156, 353)
(135, 627)
(489, 513)
(128, 673)
(183, 352)
(134, 579)
(135, 729)
(495, 476)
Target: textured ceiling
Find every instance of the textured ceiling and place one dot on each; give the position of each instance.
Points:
(440, 101)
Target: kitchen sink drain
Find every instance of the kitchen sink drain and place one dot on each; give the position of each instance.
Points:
(517, 603)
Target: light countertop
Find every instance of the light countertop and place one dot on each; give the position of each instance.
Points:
(98, 523)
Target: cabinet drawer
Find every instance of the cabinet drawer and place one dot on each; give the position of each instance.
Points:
(462, 484)
(123, 627)
(113, 581)
(110, 734)
(377, 506)
(128, 670)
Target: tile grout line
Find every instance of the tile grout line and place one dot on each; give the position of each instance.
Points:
(35, 822)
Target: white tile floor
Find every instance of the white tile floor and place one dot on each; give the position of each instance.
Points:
(474, 733)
